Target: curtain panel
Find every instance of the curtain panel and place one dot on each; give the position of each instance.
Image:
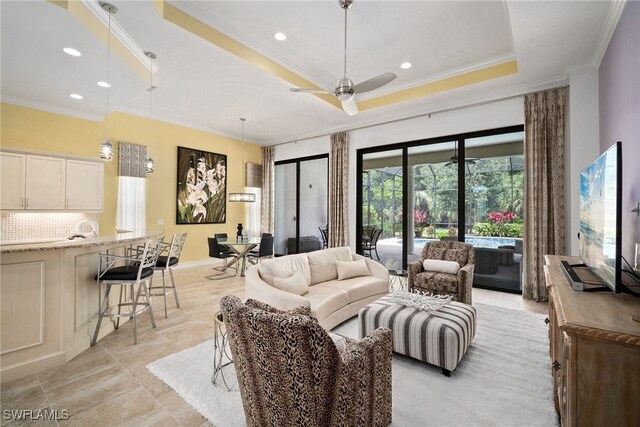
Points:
(267, 205)
(338, 189)
(544, 215)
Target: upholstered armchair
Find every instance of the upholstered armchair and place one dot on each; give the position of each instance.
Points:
(291, 373)
(457, 285)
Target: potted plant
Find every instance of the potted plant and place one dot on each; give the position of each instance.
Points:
(420, 220)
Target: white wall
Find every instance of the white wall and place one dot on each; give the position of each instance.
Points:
(494, 115)
(583, 139)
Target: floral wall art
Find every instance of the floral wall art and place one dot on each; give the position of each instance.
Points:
(202, 187)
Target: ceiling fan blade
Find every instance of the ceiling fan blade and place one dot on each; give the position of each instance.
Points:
(350, 107)
(374, 83)
(296, 89)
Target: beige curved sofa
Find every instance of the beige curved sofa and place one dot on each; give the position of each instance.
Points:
(332, 301)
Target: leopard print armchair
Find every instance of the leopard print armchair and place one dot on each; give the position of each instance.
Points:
(456, 285)
(290, 372)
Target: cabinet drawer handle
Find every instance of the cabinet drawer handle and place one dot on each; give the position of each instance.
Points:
(556, 365)
(546, 320)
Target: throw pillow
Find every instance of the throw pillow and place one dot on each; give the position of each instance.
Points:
(295, 284)
(339, 341)
(441, 266)
(349, 269)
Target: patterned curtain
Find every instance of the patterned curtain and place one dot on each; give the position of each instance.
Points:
(338, 188)
(131, 159)
(543, 186)
(266, 209)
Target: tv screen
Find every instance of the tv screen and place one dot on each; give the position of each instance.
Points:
(600, 216)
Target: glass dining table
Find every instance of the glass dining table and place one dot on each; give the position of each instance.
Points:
(241, 247)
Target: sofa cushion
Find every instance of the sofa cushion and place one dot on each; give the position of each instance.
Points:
(325, 301)
(295, 284)
(322, 264)
(359, 287)
(349, 269)
(284, 267)
(441, 266)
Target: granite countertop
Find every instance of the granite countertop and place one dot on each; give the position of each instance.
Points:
(52, 244)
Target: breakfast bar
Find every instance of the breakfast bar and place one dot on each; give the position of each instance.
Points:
(50, 299)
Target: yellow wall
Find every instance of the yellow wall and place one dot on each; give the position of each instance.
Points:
(39, 130)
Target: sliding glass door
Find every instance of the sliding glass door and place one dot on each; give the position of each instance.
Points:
(301, 204)
(432, 196)
(466, 187)
(383, 198)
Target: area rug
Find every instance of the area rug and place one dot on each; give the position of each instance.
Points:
(504, 379)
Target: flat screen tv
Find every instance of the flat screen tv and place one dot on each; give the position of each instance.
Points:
(601, 216)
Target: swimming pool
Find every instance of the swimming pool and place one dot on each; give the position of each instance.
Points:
(477, 241)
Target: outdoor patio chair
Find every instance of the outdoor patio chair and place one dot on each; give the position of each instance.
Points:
(372, 244)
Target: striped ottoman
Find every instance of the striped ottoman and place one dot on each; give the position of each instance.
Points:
(439, 337)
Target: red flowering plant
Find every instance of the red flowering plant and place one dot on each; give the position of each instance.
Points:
(503, 224)
(420, 218)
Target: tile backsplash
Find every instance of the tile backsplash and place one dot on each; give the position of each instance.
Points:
(19, 226)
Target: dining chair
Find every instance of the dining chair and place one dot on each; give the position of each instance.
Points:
(135, 272)
(167, 263)
(265, 250)
(224, 248)
(324, 236)
(216, 252)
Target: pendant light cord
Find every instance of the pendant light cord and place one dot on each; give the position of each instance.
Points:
(108, 74)
(242, 164)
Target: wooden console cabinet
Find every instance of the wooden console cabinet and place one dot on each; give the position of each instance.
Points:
(595, 352)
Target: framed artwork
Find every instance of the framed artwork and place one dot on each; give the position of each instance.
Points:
(202, 187)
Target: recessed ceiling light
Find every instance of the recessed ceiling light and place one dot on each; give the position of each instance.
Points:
(71, 51)
(75, 96)
(280, 36)
(104, 84)
(405, 65)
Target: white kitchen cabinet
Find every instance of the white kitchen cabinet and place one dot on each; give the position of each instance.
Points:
(41, 182)
(45, 183)
(12, 177)
(84, 185)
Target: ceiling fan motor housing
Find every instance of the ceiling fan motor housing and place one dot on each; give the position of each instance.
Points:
(345, 4)
(344, 89)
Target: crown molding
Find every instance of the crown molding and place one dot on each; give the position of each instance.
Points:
(36, 105)
(120, 33)
(186, 124)
(609, 27)
(441, 76)
(437, 108)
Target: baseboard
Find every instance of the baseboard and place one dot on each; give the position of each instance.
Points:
(32, 366)
(199, 263)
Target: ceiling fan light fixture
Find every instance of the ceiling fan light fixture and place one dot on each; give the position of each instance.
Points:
(71, 51)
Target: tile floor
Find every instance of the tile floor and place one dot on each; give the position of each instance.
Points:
(108, 384)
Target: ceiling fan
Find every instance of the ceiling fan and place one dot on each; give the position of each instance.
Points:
(453, 160)
(345, 89)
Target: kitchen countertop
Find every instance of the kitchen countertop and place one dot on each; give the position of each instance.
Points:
(52, 244)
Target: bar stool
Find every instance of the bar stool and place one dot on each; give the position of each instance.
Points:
(166, 263)
(136, 271)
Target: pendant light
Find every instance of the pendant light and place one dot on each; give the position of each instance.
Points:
(242, 197)
(106, 148)
(149, 165)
